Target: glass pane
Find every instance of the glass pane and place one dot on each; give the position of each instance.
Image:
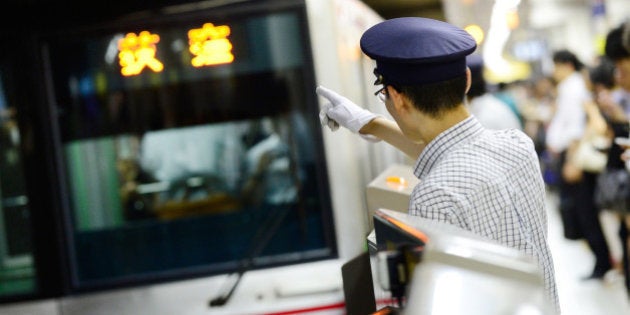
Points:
(17, 275)
(192, 169)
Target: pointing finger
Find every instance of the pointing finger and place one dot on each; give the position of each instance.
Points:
(326, 93)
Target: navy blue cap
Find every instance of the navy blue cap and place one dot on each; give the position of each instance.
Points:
(415, 50)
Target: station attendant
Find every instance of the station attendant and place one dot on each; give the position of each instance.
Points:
(485, 181)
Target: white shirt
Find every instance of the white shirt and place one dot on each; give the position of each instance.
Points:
(569, 121)
(493, 113)
(488, 182)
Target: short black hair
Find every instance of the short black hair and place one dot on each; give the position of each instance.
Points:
(603, 73)
(618, 42)
(566, 56)
(435, 98)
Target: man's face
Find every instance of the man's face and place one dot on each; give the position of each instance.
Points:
(622, 73)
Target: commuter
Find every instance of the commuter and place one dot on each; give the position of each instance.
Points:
(480, 180)
(505, 93)
(603, 86)
(617, 103)
(537, 113)
(580, 215)
(538, 110)
(565, 129)
(491, 112)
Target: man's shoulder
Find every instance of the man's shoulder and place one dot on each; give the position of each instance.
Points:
(512, 136)
(505, 145)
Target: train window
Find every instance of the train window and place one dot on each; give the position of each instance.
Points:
(175, 168)
(17, 272)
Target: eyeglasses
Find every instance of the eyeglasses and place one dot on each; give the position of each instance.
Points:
(381, 94)
(382, 90)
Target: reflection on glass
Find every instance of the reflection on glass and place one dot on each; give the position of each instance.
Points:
(191, 196)
(17, 274)
(173, 173)
(193, 169)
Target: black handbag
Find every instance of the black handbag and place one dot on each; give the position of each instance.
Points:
(613, 190)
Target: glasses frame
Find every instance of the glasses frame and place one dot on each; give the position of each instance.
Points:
(382, 90)
(382, 94)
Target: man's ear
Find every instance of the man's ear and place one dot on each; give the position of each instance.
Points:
(468, 79)
(398, 99)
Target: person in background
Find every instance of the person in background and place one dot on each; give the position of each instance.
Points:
(491, 112)
(577, 187)
(539, 109)
(617, 105)
(421, 67)
(505, 94)
(603, 86)
(617, 102)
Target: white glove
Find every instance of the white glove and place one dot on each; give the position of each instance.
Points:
(342, 111)
(324, 120)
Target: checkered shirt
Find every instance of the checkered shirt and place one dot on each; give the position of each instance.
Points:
(488, 182)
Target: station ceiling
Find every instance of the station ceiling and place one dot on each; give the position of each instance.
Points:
(398, 8)
(46, 12)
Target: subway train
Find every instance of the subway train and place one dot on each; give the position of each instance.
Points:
(155, 154)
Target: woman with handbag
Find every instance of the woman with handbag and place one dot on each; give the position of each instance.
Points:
(567, 130)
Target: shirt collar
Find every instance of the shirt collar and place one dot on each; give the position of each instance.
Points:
(446, 141)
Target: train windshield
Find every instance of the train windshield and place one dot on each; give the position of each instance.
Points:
(190, 145)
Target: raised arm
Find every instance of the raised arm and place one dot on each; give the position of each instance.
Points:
(372, 127)
(388, 131)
